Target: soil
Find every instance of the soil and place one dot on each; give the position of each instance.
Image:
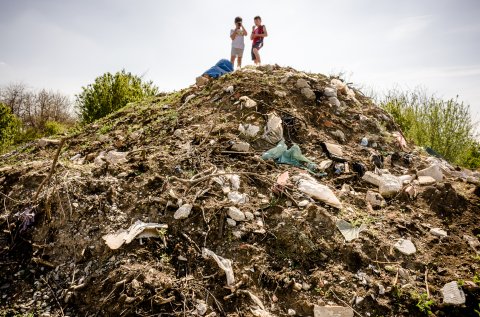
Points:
(290, 256)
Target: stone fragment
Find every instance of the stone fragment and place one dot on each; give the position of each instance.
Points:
(308, 93)
(241, 147)
(183, 212)
(426, 180)
(302, 83)
(433, 171)
(236, 214)
(405, 246)
(452, 294)
(438, 232)
(375, 199)
(330, 92)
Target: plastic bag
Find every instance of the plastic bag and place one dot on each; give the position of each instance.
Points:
(276, 152)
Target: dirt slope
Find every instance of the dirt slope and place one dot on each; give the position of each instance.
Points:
(287, 254)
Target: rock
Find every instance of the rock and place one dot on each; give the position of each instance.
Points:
(236, 214)
(389, 185)
(333, 150)
(291, 312)
(332, 311)
(472, 242)
(433, 171)
(426, 180)
(297, 286)
(43, 142)
(241, 147)
(231, 222)
(452, 294)
(308, 93)
(303, 203)
(249, 215)
(438, 232)
(364, 141)
(405, 179)
(115, 157)
(237, 197)
(302, 83)
(405, 246)
(473, 180)
(339, 135)
(334, 102)
(372, 178)
(330, 92)
(183, 212)
(281, 94)
(178, 133)
(375, 199)
(201, 307)
(324, 165)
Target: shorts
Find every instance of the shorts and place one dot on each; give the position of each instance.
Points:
(237, 52)
(258, 46)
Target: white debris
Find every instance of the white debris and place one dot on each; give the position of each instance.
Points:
(452, 294)
(433, 171)
(332, 311)
(237, 198)
(324, 165)
(183, 212)
(405, 246)
(224, 264)
(281, 94)
(274, 130)
(138, 230)
(438, 232)
(348, 231)
(229, 89)
(231, 222)
(249, 130)
(426, 180)
(309, 186)
(247, 102)
(241, 147)
(236, 214)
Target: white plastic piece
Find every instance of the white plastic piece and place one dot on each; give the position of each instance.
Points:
(138, 230)
(224, 264)
(274, 130)
(312, 188)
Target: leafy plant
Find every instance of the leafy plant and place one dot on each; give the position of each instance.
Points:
(9, 125)
(111, 92)
(424, 303)
(446, 126)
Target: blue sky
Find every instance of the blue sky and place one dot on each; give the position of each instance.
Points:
(64, 45)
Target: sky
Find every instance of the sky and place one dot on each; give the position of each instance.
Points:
(377, 44)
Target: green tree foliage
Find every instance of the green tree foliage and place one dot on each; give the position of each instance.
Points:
(9, 125)
(111, 92)
(443, 125)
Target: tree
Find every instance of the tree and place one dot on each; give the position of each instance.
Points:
(9, 124)
(111, 92)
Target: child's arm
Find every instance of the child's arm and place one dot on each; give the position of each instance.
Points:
(252, 36)
(233, 34)
(244, 31)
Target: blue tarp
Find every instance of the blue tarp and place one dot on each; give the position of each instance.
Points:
(222, 67)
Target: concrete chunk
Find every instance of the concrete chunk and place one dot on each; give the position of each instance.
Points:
(332, 311)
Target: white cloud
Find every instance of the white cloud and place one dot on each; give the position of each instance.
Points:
(3, 64)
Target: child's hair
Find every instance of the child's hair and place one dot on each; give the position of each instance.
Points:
(257, 18)
(238, 19)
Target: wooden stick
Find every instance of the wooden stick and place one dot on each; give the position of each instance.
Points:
(426, 282)
(52, 169)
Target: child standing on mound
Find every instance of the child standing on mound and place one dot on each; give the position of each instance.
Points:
(238, 44)
(259, 32)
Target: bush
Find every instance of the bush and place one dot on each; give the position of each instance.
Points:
(111, 92)
(9, 125)
(444, 125)
(54, 127)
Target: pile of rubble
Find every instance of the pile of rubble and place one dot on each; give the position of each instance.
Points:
(267, 192)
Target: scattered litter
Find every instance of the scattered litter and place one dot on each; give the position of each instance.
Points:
(183, 212)
(312, 188)
(274, 130)
(405, 246)
(247, 102)
(249, 130)
(224, 264)
(438, 232)
(333, 151)
(348, 231)
(241, 147)
(293, 156)
(452, 294)
(332, 311)
(138, 230)
(237, 198)
(229, 89)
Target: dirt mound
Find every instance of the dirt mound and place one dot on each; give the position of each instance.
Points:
(267, 192)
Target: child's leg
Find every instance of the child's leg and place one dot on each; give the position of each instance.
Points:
(239, 61)
(232, 60)
(257, 56)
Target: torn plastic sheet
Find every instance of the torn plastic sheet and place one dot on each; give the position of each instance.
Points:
(274, 130)
(138, 230)
(348, 231)
(293, 156)
(224, 264)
